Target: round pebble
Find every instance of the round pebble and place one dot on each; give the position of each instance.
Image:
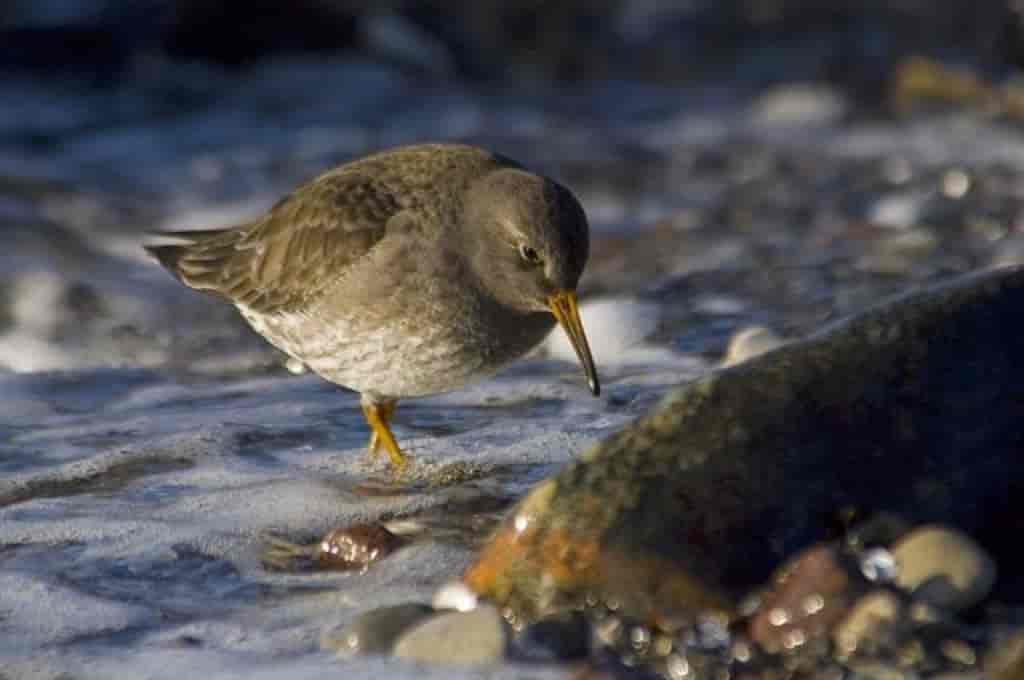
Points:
(800, 104)
(864, 620)
(356, 547)
(561, 637)
(943, 567)
(374, 631)
(477, 637)
(878, 565)
(294, 366)
(808, 596)
(455, 595)
(750, 342)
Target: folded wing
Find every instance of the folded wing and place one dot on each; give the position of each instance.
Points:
(305, 243)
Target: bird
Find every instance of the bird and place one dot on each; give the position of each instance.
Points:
(411, 271)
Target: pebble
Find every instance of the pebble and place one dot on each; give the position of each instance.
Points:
(750, 342)
(867, 616)
(943, 567)
(956, 183)
(477, 637)
(295, 367)
(560, 637)
(800, 104)
(455, 595)
(356, 546)
(897, 210)
(808, 597)
(374, 631)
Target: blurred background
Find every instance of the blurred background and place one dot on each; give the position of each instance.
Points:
(854, 44)
(799, 157)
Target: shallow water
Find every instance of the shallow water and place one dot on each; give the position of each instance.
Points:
(149, 443)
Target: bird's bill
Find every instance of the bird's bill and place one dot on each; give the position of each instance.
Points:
(565, 307)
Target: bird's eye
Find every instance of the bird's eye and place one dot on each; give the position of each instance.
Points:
(529, 254)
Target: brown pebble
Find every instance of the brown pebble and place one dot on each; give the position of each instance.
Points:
(356, 546)
(810, 594)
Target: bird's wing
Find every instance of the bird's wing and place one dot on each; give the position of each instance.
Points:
(303, 244)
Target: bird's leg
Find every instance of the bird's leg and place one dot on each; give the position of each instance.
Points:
(385, 411)
(378, 415)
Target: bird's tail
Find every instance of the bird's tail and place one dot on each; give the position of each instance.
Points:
(200, 259)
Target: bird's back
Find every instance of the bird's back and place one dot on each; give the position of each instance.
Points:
(308, 239)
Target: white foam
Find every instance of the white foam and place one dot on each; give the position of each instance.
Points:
(174, 553)
(616, 328)
(39, 611)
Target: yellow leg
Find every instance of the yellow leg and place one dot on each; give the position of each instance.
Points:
(384, 411)
(378, 416)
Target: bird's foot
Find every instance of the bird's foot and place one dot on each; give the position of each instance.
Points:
(378, 416)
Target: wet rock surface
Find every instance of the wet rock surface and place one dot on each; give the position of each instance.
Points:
(741, 467)
(690, 507)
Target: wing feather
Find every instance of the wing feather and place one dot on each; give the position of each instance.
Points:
(303, 244)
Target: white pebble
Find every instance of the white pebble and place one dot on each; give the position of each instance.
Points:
(455, 595)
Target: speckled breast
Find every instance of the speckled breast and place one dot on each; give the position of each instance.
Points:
(424, 350)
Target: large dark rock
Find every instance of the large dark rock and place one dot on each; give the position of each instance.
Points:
(915, 407)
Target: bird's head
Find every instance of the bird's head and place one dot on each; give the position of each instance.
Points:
(531, 241)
